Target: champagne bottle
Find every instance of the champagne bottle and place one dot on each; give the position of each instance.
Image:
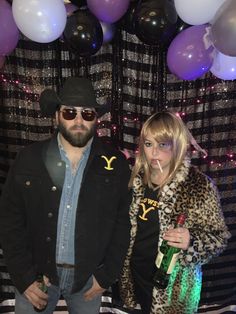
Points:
(42, 286)
(166, 259)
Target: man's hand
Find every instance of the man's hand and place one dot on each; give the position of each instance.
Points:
(94, 291)
(36, 296)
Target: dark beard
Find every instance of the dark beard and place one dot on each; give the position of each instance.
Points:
(78, 139)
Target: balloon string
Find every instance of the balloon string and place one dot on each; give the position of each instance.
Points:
(207, 39)
(193, 141)
(196, 145)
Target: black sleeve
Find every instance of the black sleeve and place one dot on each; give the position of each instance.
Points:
(13, 236)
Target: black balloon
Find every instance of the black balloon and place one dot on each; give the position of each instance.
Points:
(155, 21)
(83, 33)
(128, 20)
(79, 3)
(180, 26)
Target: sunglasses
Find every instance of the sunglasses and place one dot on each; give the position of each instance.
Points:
(70, 114)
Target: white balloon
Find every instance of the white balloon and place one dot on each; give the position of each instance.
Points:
(197, 12)
(40, 20)
(224, 67)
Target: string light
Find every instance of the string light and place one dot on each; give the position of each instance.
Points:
(30, 96)
(128, 118)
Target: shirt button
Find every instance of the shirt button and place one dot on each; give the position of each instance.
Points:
(54, 188)
(50, 215)
(48, 239)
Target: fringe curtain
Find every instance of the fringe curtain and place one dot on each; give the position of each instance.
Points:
(134, 79)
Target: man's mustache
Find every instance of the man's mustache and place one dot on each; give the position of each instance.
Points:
(78, 127)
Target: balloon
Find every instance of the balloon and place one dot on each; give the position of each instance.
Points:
(224, 67)
(9, 34)
(79, 3)
(197, 12)
(108, 11)
(155, 22)
(180, 26)
(70, 8)
(189, 55)
(2, 61)
(108, 31)
(223, 29)
(128, 20)
(83, 33)
(40, 20)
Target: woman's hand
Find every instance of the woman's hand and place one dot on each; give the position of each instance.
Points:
(178, 237)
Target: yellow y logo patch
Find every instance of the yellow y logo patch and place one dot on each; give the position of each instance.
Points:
(145, 211)
(108, 161)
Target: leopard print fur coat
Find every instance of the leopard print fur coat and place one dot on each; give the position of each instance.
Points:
(193, 192)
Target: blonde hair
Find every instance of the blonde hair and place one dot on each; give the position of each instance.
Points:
(164, 127)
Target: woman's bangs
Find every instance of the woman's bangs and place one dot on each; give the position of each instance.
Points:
(159, 131)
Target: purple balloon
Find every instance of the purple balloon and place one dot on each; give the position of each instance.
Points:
(190, 54)
(108, 11)
(9, 34)
(70, 8)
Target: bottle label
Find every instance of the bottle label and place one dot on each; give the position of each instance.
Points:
(172, 263)
(159, 259)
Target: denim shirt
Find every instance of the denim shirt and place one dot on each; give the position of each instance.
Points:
(68, 207)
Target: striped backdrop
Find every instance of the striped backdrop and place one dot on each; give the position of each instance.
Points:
(134, 79)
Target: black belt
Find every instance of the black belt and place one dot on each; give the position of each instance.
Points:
(66, 265)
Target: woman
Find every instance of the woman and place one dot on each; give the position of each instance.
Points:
(165, 185)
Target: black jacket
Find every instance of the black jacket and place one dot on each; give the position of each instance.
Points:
(29, 212)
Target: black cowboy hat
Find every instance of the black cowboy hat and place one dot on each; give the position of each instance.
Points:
(76, 92)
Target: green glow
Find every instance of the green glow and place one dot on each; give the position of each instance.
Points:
(186, 295)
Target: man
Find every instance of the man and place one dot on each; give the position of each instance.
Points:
(64, 209)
